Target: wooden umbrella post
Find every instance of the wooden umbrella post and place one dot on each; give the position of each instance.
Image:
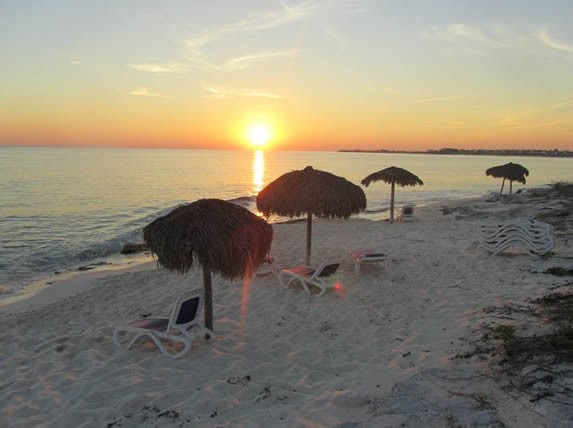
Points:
(208, 288)
(393, 175)
(392, 203)
(308, 237)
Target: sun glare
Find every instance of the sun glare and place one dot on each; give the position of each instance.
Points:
(259, 135)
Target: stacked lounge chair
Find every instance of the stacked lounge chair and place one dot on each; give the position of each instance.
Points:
(535, 236)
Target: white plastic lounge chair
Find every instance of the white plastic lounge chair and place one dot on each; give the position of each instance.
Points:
(359, 257)
(407, 214)
(308, 276)
(536, 236)
(182, 326)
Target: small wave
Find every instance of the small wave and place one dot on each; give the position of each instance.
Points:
(245, 201)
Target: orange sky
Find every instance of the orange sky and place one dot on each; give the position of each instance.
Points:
(320, 75)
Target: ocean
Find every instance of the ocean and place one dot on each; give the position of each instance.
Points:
(64, 208)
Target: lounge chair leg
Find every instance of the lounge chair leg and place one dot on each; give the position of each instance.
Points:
(356, 267)
(137, 336)
(117, 340)
(186, 346)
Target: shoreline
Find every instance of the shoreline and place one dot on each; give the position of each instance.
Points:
(383, 349)
(48, 284)
(51, 287)
(56, 286)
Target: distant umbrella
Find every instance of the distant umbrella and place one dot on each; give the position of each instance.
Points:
(393, 175)
(509, 171)
(220, 236)
(312, 192)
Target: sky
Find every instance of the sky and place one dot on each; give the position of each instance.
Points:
(311, 74)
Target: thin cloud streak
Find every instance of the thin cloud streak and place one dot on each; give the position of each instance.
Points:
(461, 32)
(196, 57)
(440, 98)
(229, 93)
(476, 41)
(285, 15)
(246, 61)
(172, 67)
(553, 43)
(265, 21)
(144, 92)
(274, 19)
(535, 116)
(334, 35)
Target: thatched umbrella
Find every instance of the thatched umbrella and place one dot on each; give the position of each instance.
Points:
(393, 175)
(509, 171)
(218, 235)
(312, 192)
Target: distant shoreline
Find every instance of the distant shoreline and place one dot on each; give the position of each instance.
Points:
(477, 152)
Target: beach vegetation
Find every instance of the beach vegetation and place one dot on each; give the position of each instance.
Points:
(536, 355)
(561, 188)
(559, 184)
(504, 332)
(559, 271)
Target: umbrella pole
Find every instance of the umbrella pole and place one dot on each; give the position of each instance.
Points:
(510, 186)
(392, 203)
(308, 237)
(207, 285)
(502, 183)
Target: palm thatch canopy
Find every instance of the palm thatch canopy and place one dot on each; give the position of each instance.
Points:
(509, 171)
(312, 192)
(393, 175)
(220, 236)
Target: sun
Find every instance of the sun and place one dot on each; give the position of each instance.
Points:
(259, 135)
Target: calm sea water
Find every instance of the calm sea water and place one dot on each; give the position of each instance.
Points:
(63, 208)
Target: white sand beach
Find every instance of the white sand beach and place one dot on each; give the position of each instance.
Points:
(379, 352)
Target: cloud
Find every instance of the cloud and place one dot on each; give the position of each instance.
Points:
(144, 92)
(195, 47)
(172, 67)
(565, 103)
(555, 112)
(461, 32)
(249, 60)
(334, 35)
(477, 41)
(253, 23)
(256, 23)
(229, 93)
(440, 98)
(544, 37)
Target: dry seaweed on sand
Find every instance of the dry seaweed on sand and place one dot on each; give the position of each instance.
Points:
(552, 204)
(529, 347)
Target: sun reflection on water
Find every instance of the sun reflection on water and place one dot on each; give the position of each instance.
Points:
(258, 170)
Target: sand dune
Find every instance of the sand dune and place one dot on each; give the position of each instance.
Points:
(377, 352)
